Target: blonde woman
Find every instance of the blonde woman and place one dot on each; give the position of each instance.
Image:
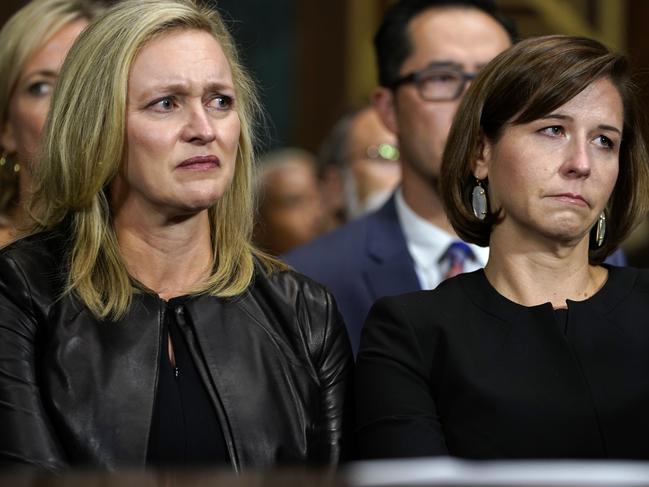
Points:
(139, 326)
(33, 44)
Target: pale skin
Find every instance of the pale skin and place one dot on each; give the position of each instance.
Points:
(466, 37)
(182, 140)
(179, 88)
(564, 168)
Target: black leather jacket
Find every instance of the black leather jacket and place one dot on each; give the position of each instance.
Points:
(76, 391)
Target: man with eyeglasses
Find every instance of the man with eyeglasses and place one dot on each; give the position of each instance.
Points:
(427, 52)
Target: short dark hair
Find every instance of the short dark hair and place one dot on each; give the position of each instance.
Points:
(392, 43)
(523, 84)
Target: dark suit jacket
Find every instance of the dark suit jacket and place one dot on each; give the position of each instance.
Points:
(463, 371)
(364, 261)
(359, 263)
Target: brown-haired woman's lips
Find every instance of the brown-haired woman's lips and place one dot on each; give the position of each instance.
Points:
(573, 198)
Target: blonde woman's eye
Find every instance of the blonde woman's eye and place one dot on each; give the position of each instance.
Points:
(165, 104)
(40, 88)
(222, 102)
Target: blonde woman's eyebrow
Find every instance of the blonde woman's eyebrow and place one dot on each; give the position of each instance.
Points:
(184, 88)
(45, 73)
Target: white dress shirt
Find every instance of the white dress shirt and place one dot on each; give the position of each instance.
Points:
(427, 243)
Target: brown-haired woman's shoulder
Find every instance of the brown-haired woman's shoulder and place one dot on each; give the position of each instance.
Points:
(425, 308)
(630, 280)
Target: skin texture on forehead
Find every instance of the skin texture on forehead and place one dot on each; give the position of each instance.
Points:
(463, 35)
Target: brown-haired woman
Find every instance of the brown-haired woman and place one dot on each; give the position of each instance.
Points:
(544, 353)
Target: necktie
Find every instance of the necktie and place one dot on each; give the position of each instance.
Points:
(455, 256)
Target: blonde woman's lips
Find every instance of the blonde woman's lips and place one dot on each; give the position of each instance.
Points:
(200, 163)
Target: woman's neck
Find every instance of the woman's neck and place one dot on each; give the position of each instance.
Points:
(13, 222)
(170, 258)
(536, 272)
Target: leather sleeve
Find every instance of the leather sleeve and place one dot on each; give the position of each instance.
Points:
(335, 373)
(332, 361)
(396, 412)
(27, 437)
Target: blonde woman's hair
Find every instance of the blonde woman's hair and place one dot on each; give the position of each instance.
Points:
(84, 147)
(29, 29)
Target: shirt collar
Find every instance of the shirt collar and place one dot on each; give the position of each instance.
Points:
(421, 234)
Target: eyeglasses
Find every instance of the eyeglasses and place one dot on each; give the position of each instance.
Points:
(382, 152)
(436, 83)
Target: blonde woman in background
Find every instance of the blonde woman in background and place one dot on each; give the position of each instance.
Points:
(139, 326)
(33, 44)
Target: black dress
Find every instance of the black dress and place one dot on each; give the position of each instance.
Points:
(185, 429)
(463, 371)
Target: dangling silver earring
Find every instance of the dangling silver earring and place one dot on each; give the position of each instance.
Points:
(479, 201)
(600, 230)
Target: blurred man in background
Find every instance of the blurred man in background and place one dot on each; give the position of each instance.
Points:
(359, 166)
(289, 204)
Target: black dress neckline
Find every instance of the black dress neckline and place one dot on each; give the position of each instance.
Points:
(185, 429)
(478, 289)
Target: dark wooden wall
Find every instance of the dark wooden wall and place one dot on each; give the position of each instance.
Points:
(298, 51)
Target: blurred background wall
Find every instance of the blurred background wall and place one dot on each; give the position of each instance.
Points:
(313, 59)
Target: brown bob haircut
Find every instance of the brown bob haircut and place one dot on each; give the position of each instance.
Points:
(523, 84)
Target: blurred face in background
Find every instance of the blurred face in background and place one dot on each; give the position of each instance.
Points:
(373, 169)
(290, 210)
(30, 99)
